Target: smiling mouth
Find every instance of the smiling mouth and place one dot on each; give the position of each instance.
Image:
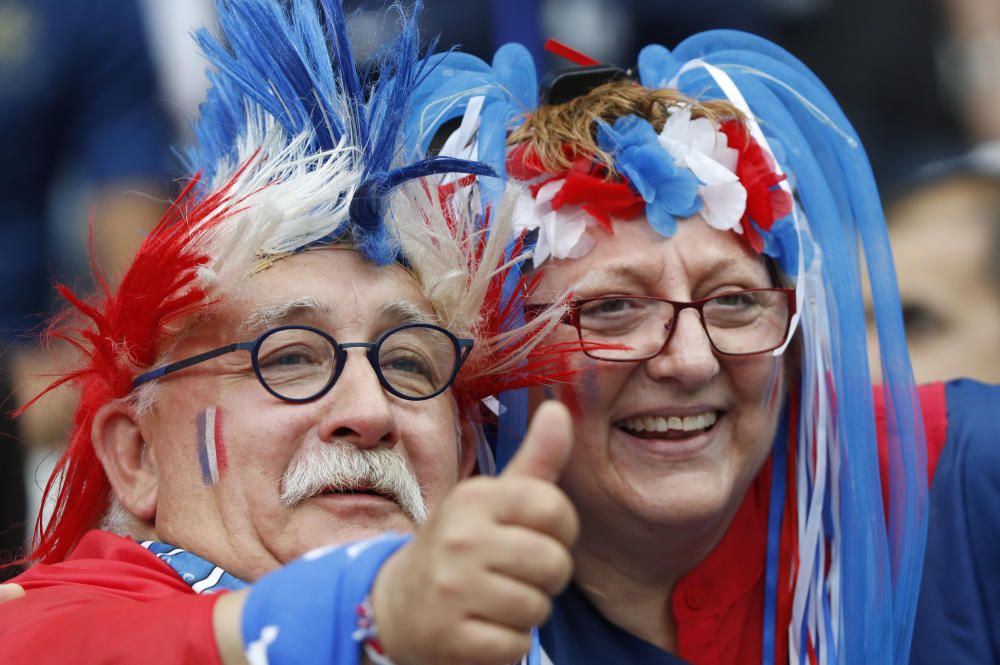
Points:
(672, 427)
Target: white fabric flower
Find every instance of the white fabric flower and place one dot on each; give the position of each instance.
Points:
(562, 233)
(699, 146)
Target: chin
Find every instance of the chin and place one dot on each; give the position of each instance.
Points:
(681, 500)
(320, 528)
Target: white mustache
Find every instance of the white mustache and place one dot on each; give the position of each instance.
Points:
(341, 466)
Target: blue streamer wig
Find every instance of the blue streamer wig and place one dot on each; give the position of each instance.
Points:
(855, 589)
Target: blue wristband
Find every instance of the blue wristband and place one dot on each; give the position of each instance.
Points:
(305, 613)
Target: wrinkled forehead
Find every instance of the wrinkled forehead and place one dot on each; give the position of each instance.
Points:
(335, 285)
(334, 289)
(635, 256)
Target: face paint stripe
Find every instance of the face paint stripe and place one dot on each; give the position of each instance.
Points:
(220, 446)
(213, 464)
(206, 474)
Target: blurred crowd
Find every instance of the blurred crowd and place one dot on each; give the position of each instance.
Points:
(93, 95)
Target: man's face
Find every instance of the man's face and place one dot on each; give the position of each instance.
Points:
(621, 472)
(223, 445)
(940, 236)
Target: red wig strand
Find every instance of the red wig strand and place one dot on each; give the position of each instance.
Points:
(119, 333)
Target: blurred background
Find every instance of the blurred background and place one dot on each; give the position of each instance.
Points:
(94, 94)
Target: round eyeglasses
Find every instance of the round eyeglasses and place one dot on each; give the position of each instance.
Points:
(737, 323)
(415, 361)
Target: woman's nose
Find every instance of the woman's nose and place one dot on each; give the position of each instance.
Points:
(687, 356)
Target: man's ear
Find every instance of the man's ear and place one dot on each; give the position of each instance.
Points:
(129, 463)
(467, 449)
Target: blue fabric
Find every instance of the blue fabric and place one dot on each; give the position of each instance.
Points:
(306, 612)
(201, 575)
(958, 616)
(577, 634)
(76, 87)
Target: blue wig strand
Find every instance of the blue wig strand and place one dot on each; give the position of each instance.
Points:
(509, 87)
(775, 513)
(841, 168)
(293, 62)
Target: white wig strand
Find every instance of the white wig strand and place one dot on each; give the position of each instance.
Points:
(461, 266)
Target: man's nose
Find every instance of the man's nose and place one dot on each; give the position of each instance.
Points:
(687, 357)
(357, 409)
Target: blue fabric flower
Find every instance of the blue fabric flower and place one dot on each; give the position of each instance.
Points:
(669, 192)
(782, 244)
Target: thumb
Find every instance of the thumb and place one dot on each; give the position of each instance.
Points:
(547, 445)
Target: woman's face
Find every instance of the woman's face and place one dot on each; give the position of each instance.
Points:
(691, 474)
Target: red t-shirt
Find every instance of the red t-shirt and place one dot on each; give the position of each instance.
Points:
(109, 602)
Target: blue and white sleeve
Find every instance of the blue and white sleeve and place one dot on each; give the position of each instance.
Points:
(306, 613)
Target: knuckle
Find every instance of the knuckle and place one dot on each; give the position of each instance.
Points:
(536, 609)
(554, 565)
(572, 525)
(459, 538)
(474, 646)
(445, 583)
(561, 573)
(551, 506)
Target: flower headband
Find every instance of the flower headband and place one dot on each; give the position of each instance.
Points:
(693, 166)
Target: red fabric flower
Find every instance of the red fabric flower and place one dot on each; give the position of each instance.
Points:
(523, 163)
(756, 172)
(585, 185)
(602, 199)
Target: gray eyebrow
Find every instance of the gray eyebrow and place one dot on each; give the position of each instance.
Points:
(268, 316)
(403, 312)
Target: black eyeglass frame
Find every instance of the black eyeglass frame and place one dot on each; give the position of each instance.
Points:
(463, 347)
(572, 317)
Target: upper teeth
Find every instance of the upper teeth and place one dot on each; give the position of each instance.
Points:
(661, 424)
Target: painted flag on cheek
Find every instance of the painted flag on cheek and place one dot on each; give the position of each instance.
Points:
(211, 449)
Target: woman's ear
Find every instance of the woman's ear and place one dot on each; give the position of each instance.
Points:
(128, 462)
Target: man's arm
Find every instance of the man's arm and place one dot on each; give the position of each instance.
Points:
(226, 619)
(80, 623)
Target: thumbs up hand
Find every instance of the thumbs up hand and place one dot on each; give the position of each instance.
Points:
(480, 573)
